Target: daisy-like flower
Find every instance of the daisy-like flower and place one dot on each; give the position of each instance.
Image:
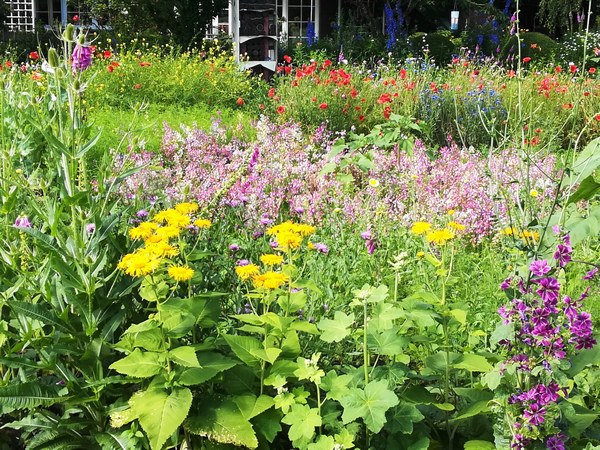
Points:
(143, 231)
(440, 237)
(269, 280)
(163, 249)
(167, 232)
(270, 259)
(373, 182)
(187, 207)
(181, 273)
(246, 271)
(420, 228)
(139, 264)
(456, 226)
(202, 223)
(288, 240)
(177, 219)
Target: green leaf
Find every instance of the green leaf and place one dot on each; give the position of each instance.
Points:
(111, 440)
(139, 364)
(479, 445)
(403, 417)
(578, 417)
(369, 404)
(268, 424)
(152, 292)
(473, 363)
(243, 346)
(290, 347)
(223, 422)
(302, 420)
(383, 316)
(388, 343)
(502, 332)
(460, 315)
(335, 385)
(322, 443)
(337, 329)
(583, 359)
(266, 354)
(250, 406)
(184, 356)
(40, 313)
(160, 414)
(210, 365)
(28, 395)
(472, 410)
(437, 362)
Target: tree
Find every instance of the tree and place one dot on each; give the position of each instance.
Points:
(185, 21)
(560, 15)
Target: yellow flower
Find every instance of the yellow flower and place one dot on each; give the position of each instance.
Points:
(509, 231)
(420, 228)
(167, 232)
(304, 229)
(177, 219)
(456, 226)
(143, 231)
(245, 272)
(534, 193)
(373, 182)
(162, 248)
(139, 264)
(288, 240)
(530, 237)
(163, 215)
(270, 259)
(451, 212)
(420, 255)
(203, 223)
(269, 280)
(181, 273)
(311, 246)
(440, 237)
(187, 207)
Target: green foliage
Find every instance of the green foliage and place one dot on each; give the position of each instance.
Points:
(539, 47)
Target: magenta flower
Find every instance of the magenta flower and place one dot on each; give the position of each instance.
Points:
(540, 267)
(22, 222)
(82, 57)
(320, 247)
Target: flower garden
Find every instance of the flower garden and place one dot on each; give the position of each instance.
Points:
(392, 255)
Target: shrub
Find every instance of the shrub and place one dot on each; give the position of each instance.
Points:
(537, 46)
(572, 49)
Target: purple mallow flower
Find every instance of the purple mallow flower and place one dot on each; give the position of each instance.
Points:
(320, 247)
(591, 274)
(540, 267)
(22, 222)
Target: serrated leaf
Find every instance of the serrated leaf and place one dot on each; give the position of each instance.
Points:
(302, 420)
(387, 343)
(28, 395)
(268, 424)
(139, 364)
(322, 443)
(266, 354)
(251, 406)
(337, 329)
(383, 316)
(184, 356)
(502, 332)
(369, 404)
(223, 422)
(160, 414)
(210, 365)
(242, 346)
(403, 417)
(335, 385)
(473, 363)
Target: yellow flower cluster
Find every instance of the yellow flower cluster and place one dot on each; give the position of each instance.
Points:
(269, 280)
(437, 237)
(271, 259)
(440, 237)
(289, 235)
(247, 271)
(527, 236)
(156, 234)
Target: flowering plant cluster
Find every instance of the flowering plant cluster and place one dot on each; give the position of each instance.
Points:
(545, 330)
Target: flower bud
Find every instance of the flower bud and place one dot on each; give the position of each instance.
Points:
(53, 58)
(68, 33)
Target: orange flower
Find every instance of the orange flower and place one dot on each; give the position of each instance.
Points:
(323, 106)
(240, 101)
(526, 59)
(280, 109)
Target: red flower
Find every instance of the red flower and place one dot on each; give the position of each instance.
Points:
(326, 63)
(261, 106)
(353, 93)
(567, 105)
(572, 68)
(287, 59)
(240, 101)
(597, 117)
(137, 86)
(323, 106)
(402, 74)
(145, 64)
(110, 68)
(271, 93)
(361, 118)
(75, 18)
(280, 109)
(511, 73)
(34, 55)
(384, 98)
(558, 69)
(526, 59)
(387, 112)
(313, 99)
(592, 70)
(107, 54)
(287, 70)
(8, 64)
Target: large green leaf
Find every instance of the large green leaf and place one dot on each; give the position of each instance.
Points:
(28, 395)
(251, 406)
(160, 413)
(473, 363)
(479, 445)
(387, 343)
(40, 313)
(223, 422)
(472, 410)
(579, 417)
(210, 365)
(243, 346)
(369, 404)
(184, 356)
(113, 440)
(402, 418)
(302, 420)
(337, 329)
(139, 364)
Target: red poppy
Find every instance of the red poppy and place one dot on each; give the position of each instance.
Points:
(384, 98)
(240, 101)
(558, 69)
(34, 55)
(323, 106)
(280, 109)
(572, 68)
(567, 105)
(313, 99)
(402, 74)
(326, 63)
(592, 70)
(361, 118)
(145, 64)
(107, 54)
(271, 93)
(597, 117)
(353, 93)
(261, 106)
(110, 68)
(526, 59)
(511, 73)
(287, 59)
(75, 18)
(387, 112)
(8, 64)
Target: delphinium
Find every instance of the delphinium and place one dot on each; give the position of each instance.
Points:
(543, 330)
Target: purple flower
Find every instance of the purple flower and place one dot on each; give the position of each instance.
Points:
(506, 284)
(22, 222)
(366, 234)
(234, 247)
(90, 228)
(370, 245)
(535, 414)
(555, 442)
(253, 158)
(591, 274)
(548, 290)
(320, 247)
(82, 57)
(141, 214)
(242, 262)
(563, 254)
(299, 210)
(540, 267)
